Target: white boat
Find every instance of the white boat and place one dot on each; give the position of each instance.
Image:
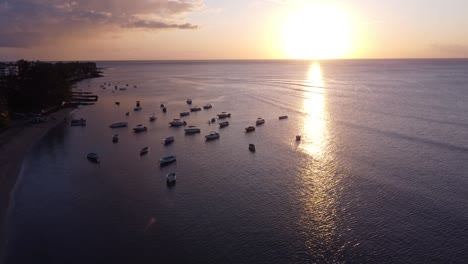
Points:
(138, 106)
(189, 101)
(250, 129)
(93, 157)
(168, 140)
(177, 123)
(195, 109)
(171, 178)
(185, 113)
(140, 128)
(119, 124)
(152, 118)
(207, 106)
(166, 160)
(144, 151)
(224, 115)
(260, 121)
(212, 135)
(223, 124)
(192, 129)
(115, 138)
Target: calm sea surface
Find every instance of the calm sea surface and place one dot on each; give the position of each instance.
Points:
(380, 175)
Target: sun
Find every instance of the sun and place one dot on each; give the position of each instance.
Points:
(316, 32)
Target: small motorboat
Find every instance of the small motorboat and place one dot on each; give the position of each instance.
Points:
(250, 129)
(117, 103)
(223, 124)
(152, 118)
(283, 117)
(177, 123)
(252, 147)
(224, 115)
(192, 130)
(212, 135)
(168, 140)
(171, 178)
(164, 109)
(298, 138)
(185, 113)
(207, 106)
(127, 114)
(115, 138)
(195, 109)
(78, 122)
(144, 151)
(260, 121)
(119, 124)
(140, 128)
(93, 157)
(189, 101)
(162, 105)
(166, 160)
(138, 106)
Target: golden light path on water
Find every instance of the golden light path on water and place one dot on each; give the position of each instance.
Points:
(319, 178)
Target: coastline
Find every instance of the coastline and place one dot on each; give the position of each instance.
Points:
(15, 143)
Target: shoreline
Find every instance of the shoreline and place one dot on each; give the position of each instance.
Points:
(15, 144)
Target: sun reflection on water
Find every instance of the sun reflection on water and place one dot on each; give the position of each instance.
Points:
(314, 129)
(320, 180)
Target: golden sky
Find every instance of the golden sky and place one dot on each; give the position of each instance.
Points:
(262, 29)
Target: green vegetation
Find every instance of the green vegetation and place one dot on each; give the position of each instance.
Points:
(31, 87)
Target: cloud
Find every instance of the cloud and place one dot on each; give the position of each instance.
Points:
(26, 23)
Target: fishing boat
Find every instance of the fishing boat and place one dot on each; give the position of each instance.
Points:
(93, 157)
(207, 106)
(119, 124)
(177, 123)
(252, 147)
(78, 122)
(250, 129)
(144, 151)
(138, 106)
(212, 135)
(223, 124)
(192, 130)
(166, 160)
(195, 109)
(185, 113)
(260, 121)
(283, 117)
(171, 178)
(168, 140)
(224, 115)
(140, 128)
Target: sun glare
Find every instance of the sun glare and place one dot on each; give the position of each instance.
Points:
(316, 32)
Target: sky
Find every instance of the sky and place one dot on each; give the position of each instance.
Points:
(240, 29)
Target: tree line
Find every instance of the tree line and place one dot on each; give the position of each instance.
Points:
(32, 86)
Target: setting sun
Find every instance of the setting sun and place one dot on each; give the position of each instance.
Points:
(316, 32)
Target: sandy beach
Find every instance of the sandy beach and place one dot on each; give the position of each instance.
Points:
(15, 143)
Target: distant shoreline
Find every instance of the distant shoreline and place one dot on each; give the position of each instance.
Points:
(15, 144)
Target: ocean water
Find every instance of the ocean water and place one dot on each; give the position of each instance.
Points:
(380, 175)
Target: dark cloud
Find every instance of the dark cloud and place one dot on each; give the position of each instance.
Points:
(159, 25)
(28, 22)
